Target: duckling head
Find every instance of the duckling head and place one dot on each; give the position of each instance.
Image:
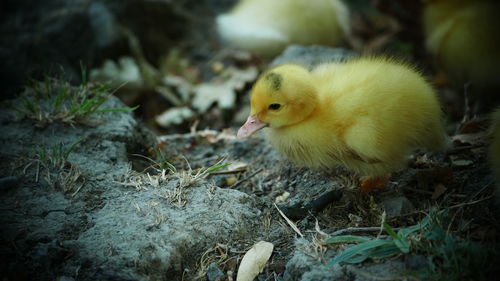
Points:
(282, 97)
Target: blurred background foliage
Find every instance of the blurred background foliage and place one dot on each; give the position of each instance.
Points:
(167, 56)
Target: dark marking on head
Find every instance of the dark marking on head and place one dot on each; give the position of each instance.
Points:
(275, 80)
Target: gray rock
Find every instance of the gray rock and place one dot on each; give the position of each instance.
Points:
(48, 255)
(304, 266)
(108, 230)
(45, 37)
(397, 206)
(8, 183)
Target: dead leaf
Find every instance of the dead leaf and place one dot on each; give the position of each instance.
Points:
(222, 90)
(125, 70)
(435, 175)
(254, 261)
(213, 136)
(183, 87)
(209, 93)
(177, 63)
(174, 116)
(439, 189)
(474, 126)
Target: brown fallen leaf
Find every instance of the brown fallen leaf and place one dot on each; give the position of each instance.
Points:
(474, 126)
(435, 175)
(439, 189)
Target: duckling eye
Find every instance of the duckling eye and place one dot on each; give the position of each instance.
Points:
(274, 106)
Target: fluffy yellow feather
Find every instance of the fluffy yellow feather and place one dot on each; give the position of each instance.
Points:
(495, 150)
(366, 114)
(463, 35)
(266, 27)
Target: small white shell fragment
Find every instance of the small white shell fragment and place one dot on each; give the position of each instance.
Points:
(254, 261)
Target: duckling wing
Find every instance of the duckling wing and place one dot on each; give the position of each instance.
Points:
(362, 142)
(357, 156)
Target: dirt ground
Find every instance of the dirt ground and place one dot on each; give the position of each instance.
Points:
(108, 210)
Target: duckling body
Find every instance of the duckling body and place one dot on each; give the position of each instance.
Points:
(367, 114)
(463, 37)
(265, 27)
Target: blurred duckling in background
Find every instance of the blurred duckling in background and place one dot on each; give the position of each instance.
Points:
(463, 36)
(495, 150)
(266, 28)
(367, 114)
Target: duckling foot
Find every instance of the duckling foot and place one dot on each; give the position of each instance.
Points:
(367, 184)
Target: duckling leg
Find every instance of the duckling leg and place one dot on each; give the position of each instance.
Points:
(367, 184)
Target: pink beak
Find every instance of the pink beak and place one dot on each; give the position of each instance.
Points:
(252, 125)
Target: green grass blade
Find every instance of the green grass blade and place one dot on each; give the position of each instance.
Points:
(403, 245)
(116, 109)
(400, 241)
(213, 169)
(385, 251)
(421, 225)
(391, 232)
(347, 239)
(61, 96)
(84, 74)
(357, 259)
(168, 165)
(29, 105)
(68, 151)
(358, 250)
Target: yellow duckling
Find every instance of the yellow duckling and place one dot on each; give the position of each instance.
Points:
(366, 114)
(495, 150)
(463, 36)
(266, 27)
